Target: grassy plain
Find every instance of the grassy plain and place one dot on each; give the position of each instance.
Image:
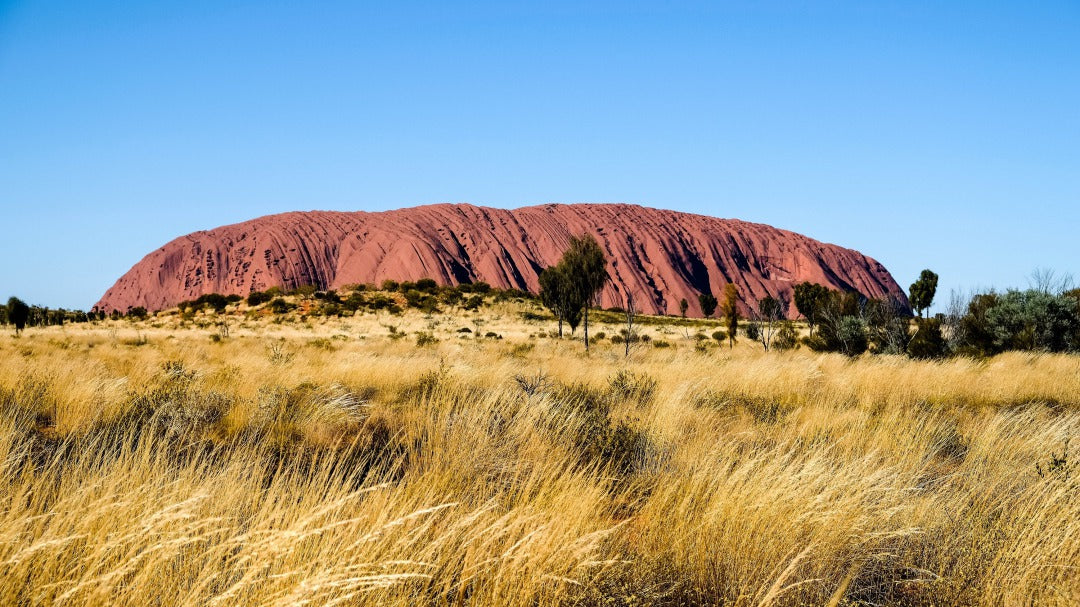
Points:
(334, 462)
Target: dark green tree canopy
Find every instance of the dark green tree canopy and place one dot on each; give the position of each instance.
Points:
(558, 294)
(18, 313)
(810, 299)
(708, 304)
(586, 265)
(569, 288)
(922, 291)
(771, 308)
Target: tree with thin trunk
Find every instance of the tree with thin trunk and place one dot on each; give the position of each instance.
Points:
(630, 313)
(922, 291)
(810, 299)
(557, 293)
(768, 316)
(586, 267)
(683, 307)
(730, 308)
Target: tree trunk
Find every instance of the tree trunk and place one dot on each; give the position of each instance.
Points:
(586, 322)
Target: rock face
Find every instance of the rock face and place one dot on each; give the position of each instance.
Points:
(660, 256)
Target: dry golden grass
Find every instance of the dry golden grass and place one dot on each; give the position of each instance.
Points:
(330, 464)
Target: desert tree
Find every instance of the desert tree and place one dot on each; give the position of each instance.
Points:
(810, 298)
(708, 304)
(586, 267)
(769, 315)
(888, 325)
(18, 313)
(631, 338)
(683, 307)
(558, 294)
(730, 309)
(922, 291)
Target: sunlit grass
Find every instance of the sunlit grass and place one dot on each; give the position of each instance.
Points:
(340, 465)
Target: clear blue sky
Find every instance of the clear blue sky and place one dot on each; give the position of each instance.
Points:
(941, 135)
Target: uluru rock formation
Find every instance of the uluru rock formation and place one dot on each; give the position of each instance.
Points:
(660, 256)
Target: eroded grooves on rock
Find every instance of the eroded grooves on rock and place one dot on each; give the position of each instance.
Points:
(659, 256)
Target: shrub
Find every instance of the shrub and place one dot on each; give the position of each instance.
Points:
(637, 387)
(851, 334)
(660, 343)
(425, 338)
(280, 306)
(753, 331)
(380, 302)
(1021, 320)
(214, 301)
(787, 338)
(257, 298)
(137, 313)
(331, 309)
(475, 287)
(928, 341)
(719, 336)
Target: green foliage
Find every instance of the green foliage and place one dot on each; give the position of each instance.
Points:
(810, 299)
(354, 301)
(922, 291)
(421, 300)
(280, 306)
(212, 301)
(752, 331)
(599, 441)
(17, 313)
(731, 312)
(304, 291)
(479, 287)
(562, 293)
(427, 285)
(1021, 320)
(851, 335)
(137, 313)
(683, 307)
(258, 298)
(425, 338)
(889, 327)
(787, 338)
(1057, 467)
(708, 304)
(928, 340)
(586, 267)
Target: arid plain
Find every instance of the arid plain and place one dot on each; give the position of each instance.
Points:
(408, 459)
